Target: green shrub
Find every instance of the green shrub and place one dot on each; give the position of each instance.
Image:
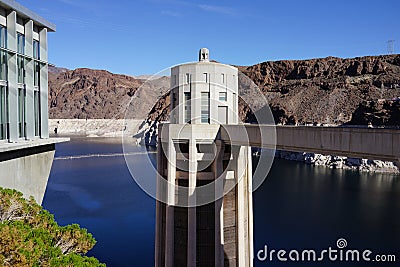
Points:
(29, 236)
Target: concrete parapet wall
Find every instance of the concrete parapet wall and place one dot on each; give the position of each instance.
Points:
(25, 166)
(27, 170)
(369, 143)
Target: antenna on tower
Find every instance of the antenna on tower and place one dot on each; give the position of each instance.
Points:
(390, 47)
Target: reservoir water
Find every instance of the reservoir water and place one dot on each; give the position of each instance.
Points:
(297, 207)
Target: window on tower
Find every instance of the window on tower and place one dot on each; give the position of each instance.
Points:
(205, 107)
(222, 96)
(205, 77)
(188, 108)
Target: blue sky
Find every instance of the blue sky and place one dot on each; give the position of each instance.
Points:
(145, 36)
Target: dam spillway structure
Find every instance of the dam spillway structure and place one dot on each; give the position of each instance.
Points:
(204, 213)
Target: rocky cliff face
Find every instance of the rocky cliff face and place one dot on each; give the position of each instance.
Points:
(326, 90)
(99, 94)
(317, 91)
(377, 113)
(86, 93)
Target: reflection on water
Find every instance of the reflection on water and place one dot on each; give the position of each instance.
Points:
(298, 206)
(301, 206)
(99, 194)
(81, 197)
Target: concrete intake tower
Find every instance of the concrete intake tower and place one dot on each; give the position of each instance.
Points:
(204, 213)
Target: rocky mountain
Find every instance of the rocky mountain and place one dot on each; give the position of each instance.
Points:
(86, 93)
(56, 70)
(326, 90)
(317, 91)
(98, 94)
(323, 91)
(377, 113)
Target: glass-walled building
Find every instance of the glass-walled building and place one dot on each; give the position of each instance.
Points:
(26, 151)
(23, 73)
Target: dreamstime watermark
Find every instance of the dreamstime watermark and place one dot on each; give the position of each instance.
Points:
(333, 254)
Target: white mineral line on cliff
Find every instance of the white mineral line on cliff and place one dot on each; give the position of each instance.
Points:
(103, 155)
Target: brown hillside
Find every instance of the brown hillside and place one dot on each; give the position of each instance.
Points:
(86, 93)
(327, 90)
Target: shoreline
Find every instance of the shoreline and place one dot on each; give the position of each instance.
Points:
(94, 127)
(340, 162)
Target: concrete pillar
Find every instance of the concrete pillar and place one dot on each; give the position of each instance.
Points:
(235, 116)
(219, 205)
(29, 81)
(44, 109)
(240, 207)
(241, 156)
(157, 247)
(249, 175)
(169, 239)
(159, 232)
(12, 78)
(192, 202)
(43, 45)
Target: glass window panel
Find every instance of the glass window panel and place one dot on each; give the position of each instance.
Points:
(21, 69)
(7, 105)
(37, 112)
(3, 37)
(21, 43)
(3, 121)
(36, 50)
(3, 54)
(36, 73)
(21, 112)
(3, 65)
